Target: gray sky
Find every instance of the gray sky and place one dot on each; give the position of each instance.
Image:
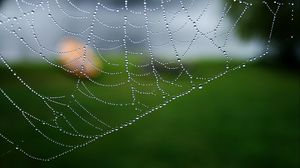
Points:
(109, 26)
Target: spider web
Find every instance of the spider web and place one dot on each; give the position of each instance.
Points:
(134, 66)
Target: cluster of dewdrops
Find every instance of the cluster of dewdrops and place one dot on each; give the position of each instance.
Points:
(13, 27)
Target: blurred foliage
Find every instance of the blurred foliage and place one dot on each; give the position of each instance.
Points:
(257, 22)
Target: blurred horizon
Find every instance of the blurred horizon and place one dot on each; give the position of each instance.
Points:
(14, 50)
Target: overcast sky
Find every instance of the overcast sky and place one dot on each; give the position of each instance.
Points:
(50, 34)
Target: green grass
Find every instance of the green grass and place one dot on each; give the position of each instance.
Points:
(249, 118)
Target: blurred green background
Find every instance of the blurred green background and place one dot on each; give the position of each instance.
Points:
(249, 118)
